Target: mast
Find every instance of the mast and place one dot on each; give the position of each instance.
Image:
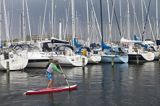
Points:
(134, 17)
(28, 18)
(52, 18)
(142, 16)
(55, 21)
(44, 18)
(6, 23)
(0, 22)
(40, 26)
(66, 24)
(128, 19)
(49, 21)
(91, 26)
(60, 30)
(157, 25)
(94, 14)
(73, 19)
(9, 18)
(147, 20)
(63, 29)
(23, 22)
(88, 26)
(120, 13)
(101, 15)
(109, 21)
(114, 12)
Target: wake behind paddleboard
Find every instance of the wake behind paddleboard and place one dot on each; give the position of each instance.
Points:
(51, 90)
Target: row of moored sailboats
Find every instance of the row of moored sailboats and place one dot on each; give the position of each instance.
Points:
(19, 56)
(74, 53)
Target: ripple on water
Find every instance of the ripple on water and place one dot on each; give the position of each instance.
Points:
(98, 85)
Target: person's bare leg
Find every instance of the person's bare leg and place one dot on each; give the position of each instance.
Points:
(50, 83)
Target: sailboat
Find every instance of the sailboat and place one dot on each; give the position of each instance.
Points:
(38, 57)
(92, 54)
(152, 47)
(115, 54)
(56, 49)
(65, 54)
(112, 52)
(39, 52)
(14, 59)
(138, 49)
(137, 52)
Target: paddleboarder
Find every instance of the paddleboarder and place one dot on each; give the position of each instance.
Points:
(52, 67)
(50, 72)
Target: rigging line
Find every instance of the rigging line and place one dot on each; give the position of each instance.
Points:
(146, 20)
(67, 18)
(136, 18)
(94, 14)
(101, 15)
(116, 20)
(6, 23)
(149, 21)
(44, 19)
(28, 19)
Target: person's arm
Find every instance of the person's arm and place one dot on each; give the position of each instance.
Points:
(56, 69)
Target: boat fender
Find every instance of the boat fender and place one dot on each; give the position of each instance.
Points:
(11, 55)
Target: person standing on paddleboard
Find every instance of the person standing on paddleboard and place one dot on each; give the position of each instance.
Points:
(50, 72)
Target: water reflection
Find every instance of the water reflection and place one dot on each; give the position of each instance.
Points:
(98, 85)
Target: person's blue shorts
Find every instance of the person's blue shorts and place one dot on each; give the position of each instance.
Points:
(49, 76)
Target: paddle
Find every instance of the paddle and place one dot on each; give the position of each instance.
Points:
(65, 77)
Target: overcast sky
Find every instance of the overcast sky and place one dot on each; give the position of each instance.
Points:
(36, 10)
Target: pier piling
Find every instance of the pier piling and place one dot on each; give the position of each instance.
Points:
(83, 63)
(137, 59)
(112, 61)
(8, 72)
(7, 66)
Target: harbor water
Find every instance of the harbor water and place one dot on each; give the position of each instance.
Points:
(98, 85)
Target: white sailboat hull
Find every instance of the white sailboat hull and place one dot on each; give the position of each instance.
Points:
(94, 59)
(38, 59)
(17, 61)
(37, 63)
(157, 55)
(141, 57)
(114, 58)
(75, 60)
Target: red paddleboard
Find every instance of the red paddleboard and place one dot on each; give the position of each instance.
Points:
(51, 90)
